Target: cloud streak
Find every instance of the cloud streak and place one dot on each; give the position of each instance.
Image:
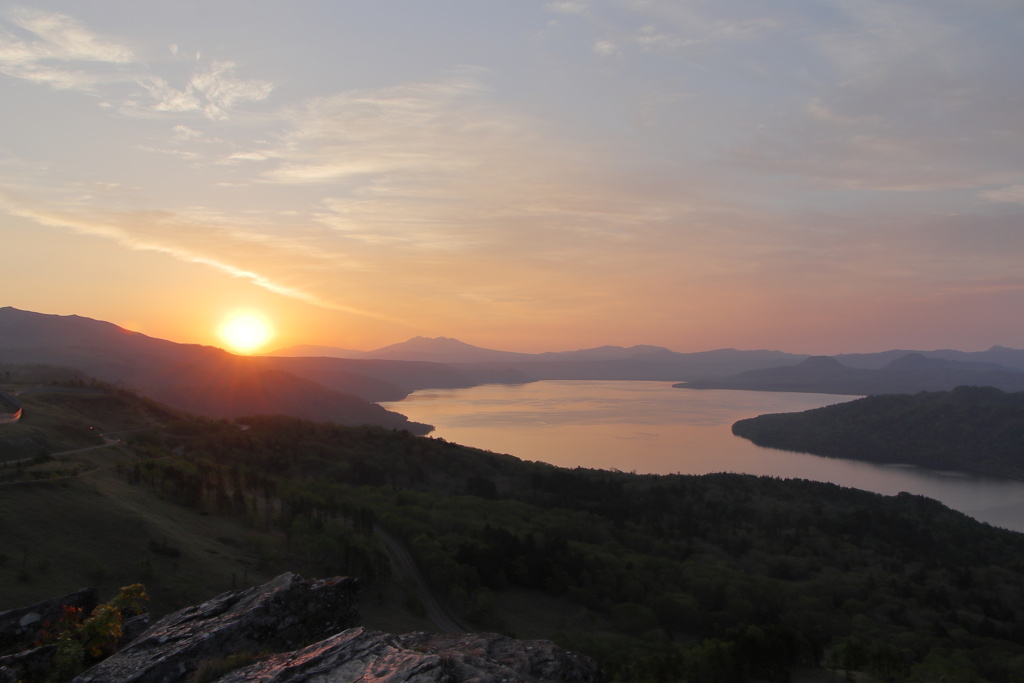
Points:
(191, 241)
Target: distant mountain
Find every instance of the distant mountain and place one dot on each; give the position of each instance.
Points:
(997, 355)
(909, 373)
(171, 372)
(634, 363)
(642, 362)
(199, 379)
(443, 350)
(393, 380)
(448, 350)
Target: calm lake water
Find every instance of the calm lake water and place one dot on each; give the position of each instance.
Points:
(650, 427)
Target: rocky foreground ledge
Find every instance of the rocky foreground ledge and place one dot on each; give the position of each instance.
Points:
(297, 631)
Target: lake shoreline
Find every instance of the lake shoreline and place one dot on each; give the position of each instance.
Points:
(652, 428)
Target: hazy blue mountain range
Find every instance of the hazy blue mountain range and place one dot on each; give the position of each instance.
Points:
(936, 370)
(910, 372)
(447, 350)
(642, 362)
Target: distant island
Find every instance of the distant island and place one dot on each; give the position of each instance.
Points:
(970, 429)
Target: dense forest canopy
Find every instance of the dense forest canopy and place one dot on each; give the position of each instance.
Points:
(712, 578)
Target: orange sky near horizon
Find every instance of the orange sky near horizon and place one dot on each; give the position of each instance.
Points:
(825, 177)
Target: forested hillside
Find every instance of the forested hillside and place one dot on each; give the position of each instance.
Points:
(700, 578)
(976, 429)
(713, 578)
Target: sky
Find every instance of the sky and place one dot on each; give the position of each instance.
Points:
(828, 176)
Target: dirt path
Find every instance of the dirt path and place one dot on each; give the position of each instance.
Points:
(444, 622)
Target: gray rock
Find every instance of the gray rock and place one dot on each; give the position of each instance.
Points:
(21, 627)
(314, 624)
(29, 664)
(132, 628)
(362, 655)
(283, 614)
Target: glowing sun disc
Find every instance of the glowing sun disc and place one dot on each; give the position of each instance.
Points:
(245, 332)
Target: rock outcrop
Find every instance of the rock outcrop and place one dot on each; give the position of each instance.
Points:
(289, 630)
(284, 614)
(362, 655)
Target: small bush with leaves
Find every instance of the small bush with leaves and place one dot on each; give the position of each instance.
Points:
(83, 640)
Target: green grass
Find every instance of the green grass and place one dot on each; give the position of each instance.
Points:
(96, 530)
(60, 533)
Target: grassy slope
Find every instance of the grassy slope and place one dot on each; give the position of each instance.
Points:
(93, 528)
(65, 532)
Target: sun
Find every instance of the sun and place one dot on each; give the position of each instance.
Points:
(245, 333)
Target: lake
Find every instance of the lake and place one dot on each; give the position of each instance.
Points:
(651, 427)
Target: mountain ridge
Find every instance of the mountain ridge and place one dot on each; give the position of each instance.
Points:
(908, 373)
(347, 389)
(454, 351)
(201, 379)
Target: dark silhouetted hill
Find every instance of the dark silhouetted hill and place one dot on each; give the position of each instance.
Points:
(199, 379)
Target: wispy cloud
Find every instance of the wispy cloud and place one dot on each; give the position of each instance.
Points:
(435, 166)
(1013, 194)
(214, 91)
(891, 97)
(57, 50)
(406, 128)
(567, 6)
(665, 26)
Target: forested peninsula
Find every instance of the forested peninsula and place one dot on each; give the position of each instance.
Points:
(971, 429)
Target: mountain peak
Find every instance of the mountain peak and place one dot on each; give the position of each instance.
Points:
(821, 363)
(913, 361)
(441, 350)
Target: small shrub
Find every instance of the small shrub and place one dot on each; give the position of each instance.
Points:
(82, 640)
